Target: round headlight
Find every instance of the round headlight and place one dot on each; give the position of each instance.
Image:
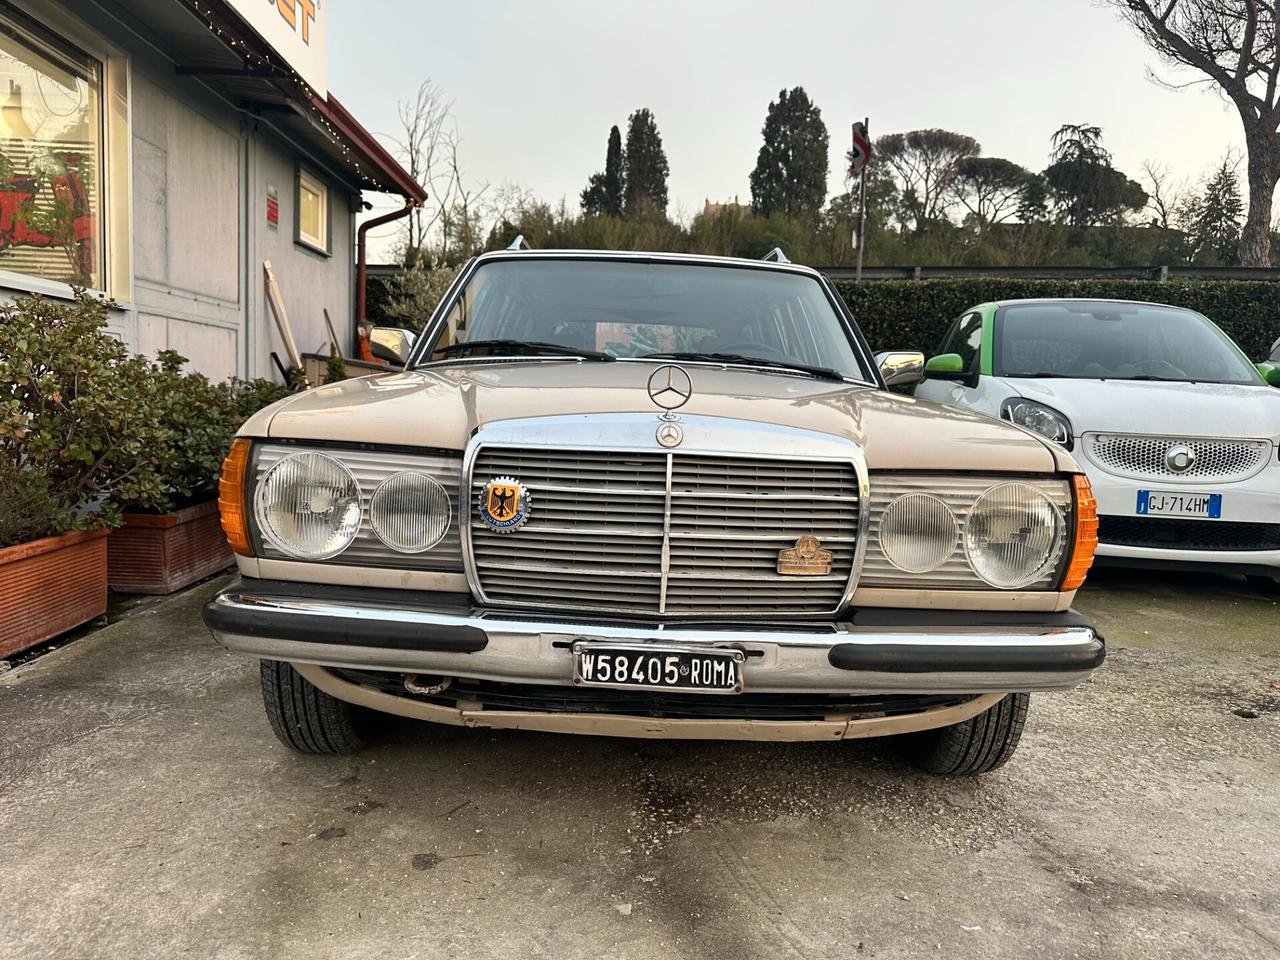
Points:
(308, 506)
(918, 533)
(1013, 536)
(410, 512)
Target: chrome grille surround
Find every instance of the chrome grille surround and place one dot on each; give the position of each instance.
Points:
(1141, 457)
(622, 525)
(371, 468)
(959, 492)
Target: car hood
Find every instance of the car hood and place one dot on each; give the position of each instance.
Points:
(442, 406)
(1162, 409)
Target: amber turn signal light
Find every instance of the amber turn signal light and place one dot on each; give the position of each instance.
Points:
(235, 524)
(1086, 534)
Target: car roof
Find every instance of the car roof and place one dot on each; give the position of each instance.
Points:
(642, 256)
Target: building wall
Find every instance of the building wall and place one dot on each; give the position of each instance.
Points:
(310, 282)
(188, 231)
(199, 170)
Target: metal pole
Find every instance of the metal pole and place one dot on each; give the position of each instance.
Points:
(862, 204)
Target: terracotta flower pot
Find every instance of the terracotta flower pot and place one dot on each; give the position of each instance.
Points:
(161, 553)
(50, 585)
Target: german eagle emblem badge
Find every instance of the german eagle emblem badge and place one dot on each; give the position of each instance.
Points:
(505, 504)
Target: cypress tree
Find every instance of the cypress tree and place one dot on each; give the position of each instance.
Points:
(791, 169)
(604, 191)
(646, 170)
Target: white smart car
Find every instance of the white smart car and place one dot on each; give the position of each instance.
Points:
(1175, 427)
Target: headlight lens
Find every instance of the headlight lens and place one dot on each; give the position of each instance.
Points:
(1013, 535)
(308, 506)
(1039, 418)
(918, 533)
(410, 512)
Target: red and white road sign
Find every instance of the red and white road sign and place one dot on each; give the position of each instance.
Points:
(861, 152)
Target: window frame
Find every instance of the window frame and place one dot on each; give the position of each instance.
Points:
(115, 167)
(316, 184)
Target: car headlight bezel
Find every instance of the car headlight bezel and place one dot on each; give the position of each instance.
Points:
(960, 493)
(371, 467)
(1040, 418)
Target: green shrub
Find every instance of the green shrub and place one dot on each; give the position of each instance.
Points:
(914, 314)
(78, 420)
(198, 420)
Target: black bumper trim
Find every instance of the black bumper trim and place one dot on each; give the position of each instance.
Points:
(1033, 658)
(347, 630)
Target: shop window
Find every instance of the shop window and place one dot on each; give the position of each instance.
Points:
(313, 212)
(52, 176)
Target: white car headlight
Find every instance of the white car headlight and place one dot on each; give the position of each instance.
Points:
(1013, 535)
(1039, 418)
(918, 532)
(308, 506)
(410, 512)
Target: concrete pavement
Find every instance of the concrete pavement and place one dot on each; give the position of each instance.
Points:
(147, 811)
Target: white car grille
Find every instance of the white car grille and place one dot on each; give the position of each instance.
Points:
(668, 533)
(1146, 458)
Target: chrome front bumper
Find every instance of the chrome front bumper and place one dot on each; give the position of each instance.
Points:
(875, 651)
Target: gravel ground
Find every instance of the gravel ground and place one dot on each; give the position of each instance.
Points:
(146, 811)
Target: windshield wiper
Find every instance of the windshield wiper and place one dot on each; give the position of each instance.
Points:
(1045, 375)
(823, 373)
(531, 348)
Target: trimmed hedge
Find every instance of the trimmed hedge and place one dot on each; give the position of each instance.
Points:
(914, 314)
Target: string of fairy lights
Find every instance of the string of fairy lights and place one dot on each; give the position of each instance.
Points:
(254, 59)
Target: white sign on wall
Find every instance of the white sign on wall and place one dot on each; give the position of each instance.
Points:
(296, 31)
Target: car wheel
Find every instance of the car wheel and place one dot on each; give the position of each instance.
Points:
(306, 718)
(979, 744)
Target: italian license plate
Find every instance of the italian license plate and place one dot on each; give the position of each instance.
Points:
(645, 667)
(1165, 504)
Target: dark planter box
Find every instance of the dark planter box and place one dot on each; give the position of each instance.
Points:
(166, 552)
(50, 585)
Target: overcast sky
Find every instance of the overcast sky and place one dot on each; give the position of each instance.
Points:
(536, 85)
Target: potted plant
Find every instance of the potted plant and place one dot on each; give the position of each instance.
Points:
(76, 426)
(171, 536)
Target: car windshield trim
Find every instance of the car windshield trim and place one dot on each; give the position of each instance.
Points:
(534, 348)
(737, 359)
(863, 368)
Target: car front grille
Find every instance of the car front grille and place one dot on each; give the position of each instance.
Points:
(664, 533)
(1188, 534)
(1144, 458)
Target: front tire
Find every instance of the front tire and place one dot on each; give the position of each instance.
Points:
(979, 744)
(304, 717)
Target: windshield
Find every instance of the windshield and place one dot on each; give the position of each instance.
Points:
(631, 309)
(1097, 340)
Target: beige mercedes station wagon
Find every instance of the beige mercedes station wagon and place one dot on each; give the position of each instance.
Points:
(644, 495)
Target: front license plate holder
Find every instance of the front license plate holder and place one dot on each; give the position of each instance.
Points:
(1167, 503)
(668, 667)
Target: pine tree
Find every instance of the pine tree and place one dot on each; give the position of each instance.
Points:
(604, 192)
(1214, 218)
(791, 169)
(645, 188)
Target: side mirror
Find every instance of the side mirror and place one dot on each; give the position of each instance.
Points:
(393, 344)
(899, 367)
(1270, 373)
(946, 366)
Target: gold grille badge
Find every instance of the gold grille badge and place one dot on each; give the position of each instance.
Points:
(806, 559)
